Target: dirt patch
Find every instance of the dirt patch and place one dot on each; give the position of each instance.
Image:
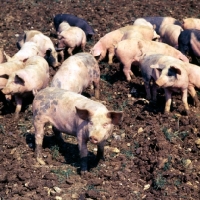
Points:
(149, 156)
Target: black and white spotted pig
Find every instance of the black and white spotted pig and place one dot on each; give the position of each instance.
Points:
(73, 114)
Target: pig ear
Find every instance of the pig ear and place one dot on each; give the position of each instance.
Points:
(83, 113)
(115, 116)
(8, 58)
(19, 80)
(177, 70)
(154, 26)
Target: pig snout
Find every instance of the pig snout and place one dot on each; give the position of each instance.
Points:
(93, 140)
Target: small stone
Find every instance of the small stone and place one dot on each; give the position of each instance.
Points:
(128, 144)
(140, 130)
(58, 198)
(197, 141)
(57, 189)
(115, 150)
(187, 163)
(146, 187)
(75, 196)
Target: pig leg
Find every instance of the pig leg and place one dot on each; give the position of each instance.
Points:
(154, 92)
(59, 137)
(168, 98)
(83, 45)
(18, 100)
(70, 49)
(127, 71)
(148, 90)
(96, 89)
(82, 144)
(193, 93)
(184, 99)
(111, 54)
(39, 135)
(100, 151)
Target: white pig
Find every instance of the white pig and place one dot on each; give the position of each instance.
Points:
(78, 72)
(73, 114)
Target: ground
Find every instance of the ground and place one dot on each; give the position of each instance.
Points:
(151, 155)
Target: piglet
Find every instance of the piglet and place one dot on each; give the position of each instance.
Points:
(71, 37)
(78, 72)
(76, 115)
(32, 78)
(130, 51)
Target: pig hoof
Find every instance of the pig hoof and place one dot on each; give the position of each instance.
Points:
(40, 161)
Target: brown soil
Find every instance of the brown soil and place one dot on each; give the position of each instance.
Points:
(150, 155)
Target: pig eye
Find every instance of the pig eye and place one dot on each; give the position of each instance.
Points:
(91, 123)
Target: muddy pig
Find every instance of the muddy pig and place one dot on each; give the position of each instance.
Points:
(129, 51)
(28, 50)
(71, 38)
(78, 72)
(32, 78)
(45, 45)
(171, 76)
(73, 114)
(74, 21)
(169, 34)
(189, 43)
(108, 41)
(191, 23)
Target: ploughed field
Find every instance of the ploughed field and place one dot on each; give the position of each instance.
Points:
(149, 156)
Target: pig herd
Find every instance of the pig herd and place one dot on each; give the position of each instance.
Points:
(159, 45)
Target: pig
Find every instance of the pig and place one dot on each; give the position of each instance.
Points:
(32, 78)
(78, 72)
(28, 50)
(108, 41)
(71, 37)
(192, 70)
(76, 115)
(1, 56)
(173, 77)
(74, 21)
(169, 34)
(158, 22)
(129, 51)
(189, 43)
(62, 27)
(191, 23)
(45, 45)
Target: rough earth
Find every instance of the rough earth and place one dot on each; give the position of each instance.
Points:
(151, 155)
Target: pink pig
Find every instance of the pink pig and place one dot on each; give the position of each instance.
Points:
(108, 41)
(192, 70)
(191, 23)
(169, 34)
(76, 115)
(78, 72)
(32, 78)
(71, 37)
(129, 51)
